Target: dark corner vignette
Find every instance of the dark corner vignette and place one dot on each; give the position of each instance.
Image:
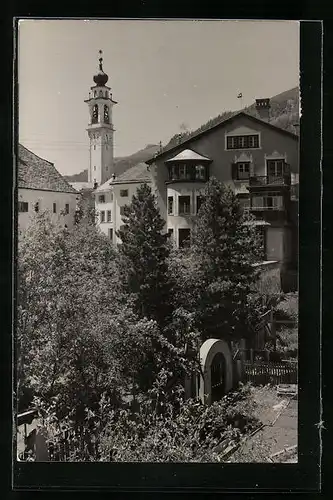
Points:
(163, 375)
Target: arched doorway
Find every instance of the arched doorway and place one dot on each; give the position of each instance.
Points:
(216, 370)
(217, 376)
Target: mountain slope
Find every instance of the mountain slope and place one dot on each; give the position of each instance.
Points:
(121, 164)
(284, 114)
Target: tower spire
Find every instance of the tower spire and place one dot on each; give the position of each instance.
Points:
(100, 60)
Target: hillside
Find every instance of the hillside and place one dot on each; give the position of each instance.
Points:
(284, 114)
(121, 164)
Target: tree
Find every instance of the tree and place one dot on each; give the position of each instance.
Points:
(78, 339)
(216, 274)
(144, 251)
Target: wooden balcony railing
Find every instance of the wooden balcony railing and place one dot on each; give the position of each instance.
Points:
(270, 180)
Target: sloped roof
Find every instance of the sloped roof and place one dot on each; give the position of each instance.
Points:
(36, 173)
(219, 124)
(189, 154)
(137, 173)
(79, 186)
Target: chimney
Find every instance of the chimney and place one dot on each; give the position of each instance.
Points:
(263, 106)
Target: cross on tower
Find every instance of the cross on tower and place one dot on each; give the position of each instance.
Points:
(100, 60)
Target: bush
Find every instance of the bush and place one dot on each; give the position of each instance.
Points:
(187, 432)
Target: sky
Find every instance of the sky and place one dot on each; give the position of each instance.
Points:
(165, 75)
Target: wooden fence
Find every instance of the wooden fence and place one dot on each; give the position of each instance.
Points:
(261, 373)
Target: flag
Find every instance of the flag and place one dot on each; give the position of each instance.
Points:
(240, 95)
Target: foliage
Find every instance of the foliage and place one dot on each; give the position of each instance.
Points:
(185, 432)
(86, 208)
(215, 276)
(288, 308)
(144, 251)
(77, 336)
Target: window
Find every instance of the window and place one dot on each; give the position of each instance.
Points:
(170, 205)
(243, 141)
(122, 227)
(122, 210)
(106, 168)
(267, 201)
(36, 206)
(275, 168)
(184, 205)
(199, 202)
(23, 206)
(182, 171)
(108, 216)
(200, 172)
(111, 233)
(183, 237)
(124, 193)
(243, 170)
(174, 172)
(94, 167)
(54, 208)
(106, 114)
(273, 201)
(94, 118)
(170, 232)
(102, 216)
(67, 208)
(101, 198)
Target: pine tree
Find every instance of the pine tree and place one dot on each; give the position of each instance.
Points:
(144, 251)
(225, 245)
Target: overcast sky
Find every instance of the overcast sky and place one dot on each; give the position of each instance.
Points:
(162, 73)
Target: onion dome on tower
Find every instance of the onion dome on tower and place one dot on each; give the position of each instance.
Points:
(101, 78)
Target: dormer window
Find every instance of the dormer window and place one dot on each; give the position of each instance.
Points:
(243, 141)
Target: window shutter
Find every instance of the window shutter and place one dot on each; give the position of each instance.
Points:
(234, 171)
(286, 169)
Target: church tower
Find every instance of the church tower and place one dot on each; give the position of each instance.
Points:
(100, 129)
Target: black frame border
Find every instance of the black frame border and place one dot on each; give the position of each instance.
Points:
(204, 478)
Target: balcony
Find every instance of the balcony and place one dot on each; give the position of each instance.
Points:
(270, 180)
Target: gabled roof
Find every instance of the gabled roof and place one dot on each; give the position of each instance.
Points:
(137, 173)
(36, 173)
(220, 124)
(189, 154)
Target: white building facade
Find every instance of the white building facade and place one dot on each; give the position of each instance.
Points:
(113, 195)
(41, 188)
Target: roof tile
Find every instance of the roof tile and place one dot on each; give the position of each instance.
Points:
(36, 173)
